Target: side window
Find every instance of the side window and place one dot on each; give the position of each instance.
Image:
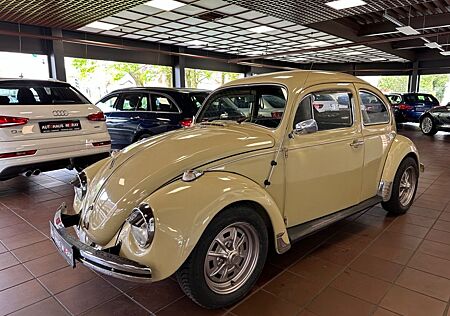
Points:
(330, 109)
(107, 104)
(373, 110)
(133, 102)
(162, 103)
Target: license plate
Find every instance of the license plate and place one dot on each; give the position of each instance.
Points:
(64, 248)
(59, 126)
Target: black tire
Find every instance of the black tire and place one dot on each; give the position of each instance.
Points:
(142, 136)
(425, 129)
(192, 274)
(394, 206)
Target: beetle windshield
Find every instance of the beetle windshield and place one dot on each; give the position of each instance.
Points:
(262, 104)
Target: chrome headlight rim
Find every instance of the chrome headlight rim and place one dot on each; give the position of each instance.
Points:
(142, 225)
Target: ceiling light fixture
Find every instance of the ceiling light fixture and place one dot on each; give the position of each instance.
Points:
(196, 43)
(446, 53)
(317, 44)
(261, 29)
(407, 30)
(432, 45)
(345, 4)
(378, 59)
(354, 53)
(101, 25)
(166, 5)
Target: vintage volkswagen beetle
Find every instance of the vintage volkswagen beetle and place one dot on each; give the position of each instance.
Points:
(260, 169)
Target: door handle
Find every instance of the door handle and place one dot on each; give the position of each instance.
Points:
(356, 143)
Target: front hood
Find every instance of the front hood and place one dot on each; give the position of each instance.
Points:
(142, 168)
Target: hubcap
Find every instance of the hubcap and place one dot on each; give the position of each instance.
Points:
(427, 125)
(407, 186)
(231, 258)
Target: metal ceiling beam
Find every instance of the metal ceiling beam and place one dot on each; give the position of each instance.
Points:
(427, 22)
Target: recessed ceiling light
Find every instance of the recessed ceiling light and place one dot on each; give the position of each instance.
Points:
(196, 43)
(378, 59)
(407, 30)
(261, 29)
(432, 45)
(446, 53)
(256, 52)
(101, 25)
(354, 53)
(317, 43)
(345, 4)
(166, 5)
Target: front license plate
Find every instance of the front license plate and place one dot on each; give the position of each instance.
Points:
(60, 126)
(64, 248)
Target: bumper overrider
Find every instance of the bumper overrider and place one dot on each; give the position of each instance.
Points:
(106, 261)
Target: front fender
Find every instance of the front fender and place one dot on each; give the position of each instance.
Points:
(184, 209)
(401, 147)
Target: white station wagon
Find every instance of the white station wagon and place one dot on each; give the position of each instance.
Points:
(48, 125)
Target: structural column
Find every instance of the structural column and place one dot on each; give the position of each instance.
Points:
(178, 70)
(56, 57)
(414, 78)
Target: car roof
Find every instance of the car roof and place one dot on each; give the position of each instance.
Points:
(292, 79)
(26, 81)
(161, 89)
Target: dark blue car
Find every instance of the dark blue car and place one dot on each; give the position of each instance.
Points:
(409, 107)
(133, 114)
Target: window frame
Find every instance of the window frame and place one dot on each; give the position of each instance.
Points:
(109, 96)
(166, 96)
(388, 108)
(352, 104)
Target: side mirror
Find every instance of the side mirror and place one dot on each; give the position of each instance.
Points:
(306, 127)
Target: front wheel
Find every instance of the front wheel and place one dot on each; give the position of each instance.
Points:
(404, 187)
(427, 126)
(227, 260)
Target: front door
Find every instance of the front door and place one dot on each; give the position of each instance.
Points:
(324, 169)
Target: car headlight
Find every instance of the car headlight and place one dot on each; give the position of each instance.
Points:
(80, 185)
(142, 224)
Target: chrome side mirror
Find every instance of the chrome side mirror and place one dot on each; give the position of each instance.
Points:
(306, 127)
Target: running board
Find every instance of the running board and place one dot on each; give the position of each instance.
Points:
(298, 232)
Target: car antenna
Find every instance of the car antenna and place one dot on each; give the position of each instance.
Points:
(274, 162)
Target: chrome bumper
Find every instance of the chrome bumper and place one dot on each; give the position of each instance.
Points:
(103, 261)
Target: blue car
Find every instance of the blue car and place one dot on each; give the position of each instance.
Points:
(133, 114)
(409, 107)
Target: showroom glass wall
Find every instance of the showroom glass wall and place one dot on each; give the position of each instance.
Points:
(437, 85)
(19, 65)
(208, 79)
(96, 78)
(388, 84)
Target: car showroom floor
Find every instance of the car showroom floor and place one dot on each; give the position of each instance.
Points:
(369, 264)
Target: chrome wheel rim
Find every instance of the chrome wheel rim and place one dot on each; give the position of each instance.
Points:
(231, 258)
(427, 125)
(407, 186)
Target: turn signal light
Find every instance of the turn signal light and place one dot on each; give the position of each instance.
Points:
(18, 154)
(405, 107)
(8, 121)
(186, 122)
(97, 117)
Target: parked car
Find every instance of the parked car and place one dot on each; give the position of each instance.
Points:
(47, 125)
(206, 203)
(137, 113)
(436, 119)
(409, 107)
(324, 103)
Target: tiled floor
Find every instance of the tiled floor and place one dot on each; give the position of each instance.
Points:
(369, 264)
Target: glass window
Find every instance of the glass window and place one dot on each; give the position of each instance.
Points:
(208, 79)
(32, 93)
(198, 99)
(162, 103)
(19, 65)
(330, 109)
(373, 109)
(262, 105)
(394, 98)
(107, 104)
(388, 84)
(133, 102)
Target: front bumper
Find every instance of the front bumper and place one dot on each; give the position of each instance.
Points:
(105, 261)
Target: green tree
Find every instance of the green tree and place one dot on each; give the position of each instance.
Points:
(434, 84)
(141, 74)
(196, 76)
(85, 67)
(393, 84)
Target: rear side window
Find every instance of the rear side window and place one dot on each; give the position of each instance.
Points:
(40, 94)
(373, 110)
(161, 103)
(198, 99)
(133, 102)
(107, 104)
(413, 98)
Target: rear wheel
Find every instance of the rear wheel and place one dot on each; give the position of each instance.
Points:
(427, 126)
(404, 187)
(227, 260)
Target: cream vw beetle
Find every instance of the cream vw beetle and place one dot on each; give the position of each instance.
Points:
(206, 203)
